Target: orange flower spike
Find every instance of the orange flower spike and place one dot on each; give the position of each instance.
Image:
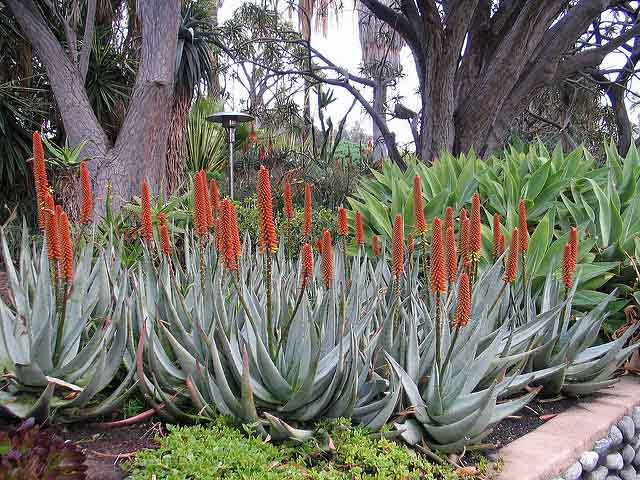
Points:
(463, 217)
(448, 218)
(567, 267)
(209, 208)
(86, 210)
(498, 242)
(227, 244)
(523, 228)
(307, 264)
(235, 232)
(501, 245)
(375, 245)
(438, 269)
(287, 196)
(463, 309)
(319, 245)
(200, 217)
(452, 254)
(511, 270)
(147, 225)
(418, 207)
(307, 210)
(464, 241)
(267, 238)
(40, 175)
(359, 230)
(327, 259)
(51, 229)
(165, 239)
(411, 244)
(343, 225)
(67, 247)
(573, 241)
(398, 247)
(475, 234)
(215, 197)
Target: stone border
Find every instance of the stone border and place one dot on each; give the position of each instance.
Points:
(554, 447)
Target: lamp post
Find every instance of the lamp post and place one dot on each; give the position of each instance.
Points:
(230, 121)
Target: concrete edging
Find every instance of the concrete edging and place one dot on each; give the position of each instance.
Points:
(554, 446)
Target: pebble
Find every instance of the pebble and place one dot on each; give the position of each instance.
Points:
(614, 461)
(574, 472)
(628, 473)
(628, 453)
(635, 415)
(615, 435)
(636, 460)
(613, 477)
(589, 461)
(602, 447)
(627, 427)
(599, 473)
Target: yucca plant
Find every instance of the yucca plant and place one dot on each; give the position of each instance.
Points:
(63, 339)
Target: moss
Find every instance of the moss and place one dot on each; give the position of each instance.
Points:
(220, 450)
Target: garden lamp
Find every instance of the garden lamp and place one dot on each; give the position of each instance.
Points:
(230, 121)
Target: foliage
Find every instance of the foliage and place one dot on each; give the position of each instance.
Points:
(65, 156)
(223, 451)
(206, 141)
(27, 452)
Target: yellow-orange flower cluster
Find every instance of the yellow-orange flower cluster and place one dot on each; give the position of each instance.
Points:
(163, 230)
(398, 247)
(438, 268)
(267, 238)
(343, 225)
(411, 244)
(51, 230)
(86, 210)
(375, 246)
(475, 234)
(359, 230)
(570, 259)
(40, 178)
(448, 218)
(307, 264)
(327, 259)
(498, 237)
(463, 309)
(452, 254)
(215, 198)
(306, 229)
(229, 241)
(287, 196)
(67, 247)
(511, 270)
(523, 230)
(145, 219)
(418, 207)
(201, 208)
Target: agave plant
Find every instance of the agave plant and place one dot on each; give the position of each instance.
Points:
(60, 348)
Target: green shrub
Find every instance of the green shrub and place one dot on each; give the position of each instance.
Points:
(222, 451)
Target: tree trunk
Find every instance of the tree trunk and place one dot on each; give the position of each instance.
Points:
(177, 143)
(214, 81)
(379, 101)
(140, 149)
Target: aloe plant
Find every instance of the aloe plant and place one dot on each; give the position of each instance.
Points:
(61, 350)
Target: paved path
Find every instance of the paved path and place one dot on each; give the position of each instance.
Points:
(551, 448)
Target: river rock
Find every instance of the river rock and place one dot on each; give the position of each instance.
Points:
(599, 473)
(602, 446)
(627, 427)
(635, 415)
(628, 453)
(574, 472)
(628, 473)
(614, 461)
(589, 461)
(613, 477)
(636, 460)
(615, 435)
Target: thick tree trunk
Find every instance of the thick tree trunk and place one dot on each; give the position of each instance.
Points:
(379, 100)
(177, 144)
(214, 81)
(140, 149)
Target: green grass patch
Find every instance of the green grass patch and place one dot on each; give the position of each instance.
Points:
(220, 450)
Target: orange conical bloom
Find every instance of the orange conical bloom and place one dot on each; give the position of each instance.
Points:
(67, 247)
(448, 218)
(307, 264)
(343, 225)
(359, 230)
(523, 228)
(452, 254)
(209, 208)
(319, 246)
(163, 230)
(215, 197)
(267, 237)
(398, 247)
(438, 268)
(461, 232)
(307, 211)
(475, 234)
(375, 245)
(411, 245)
(512, 260)
(40, 176)
(200, 205)
(227, 244)
(567, 267)
(51, 229)
(235, 232)
(498, 240)
(463, 309)
(327, 259)
(573, 241)
(287, 196)
(86, 210)
(465, 251)
(418, 207)
(145, 219)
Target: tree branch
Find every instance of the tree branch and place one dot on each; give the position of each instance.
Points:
(87, 39)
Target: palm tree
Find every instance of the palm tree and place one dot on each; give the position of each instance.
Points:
(381, 61)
